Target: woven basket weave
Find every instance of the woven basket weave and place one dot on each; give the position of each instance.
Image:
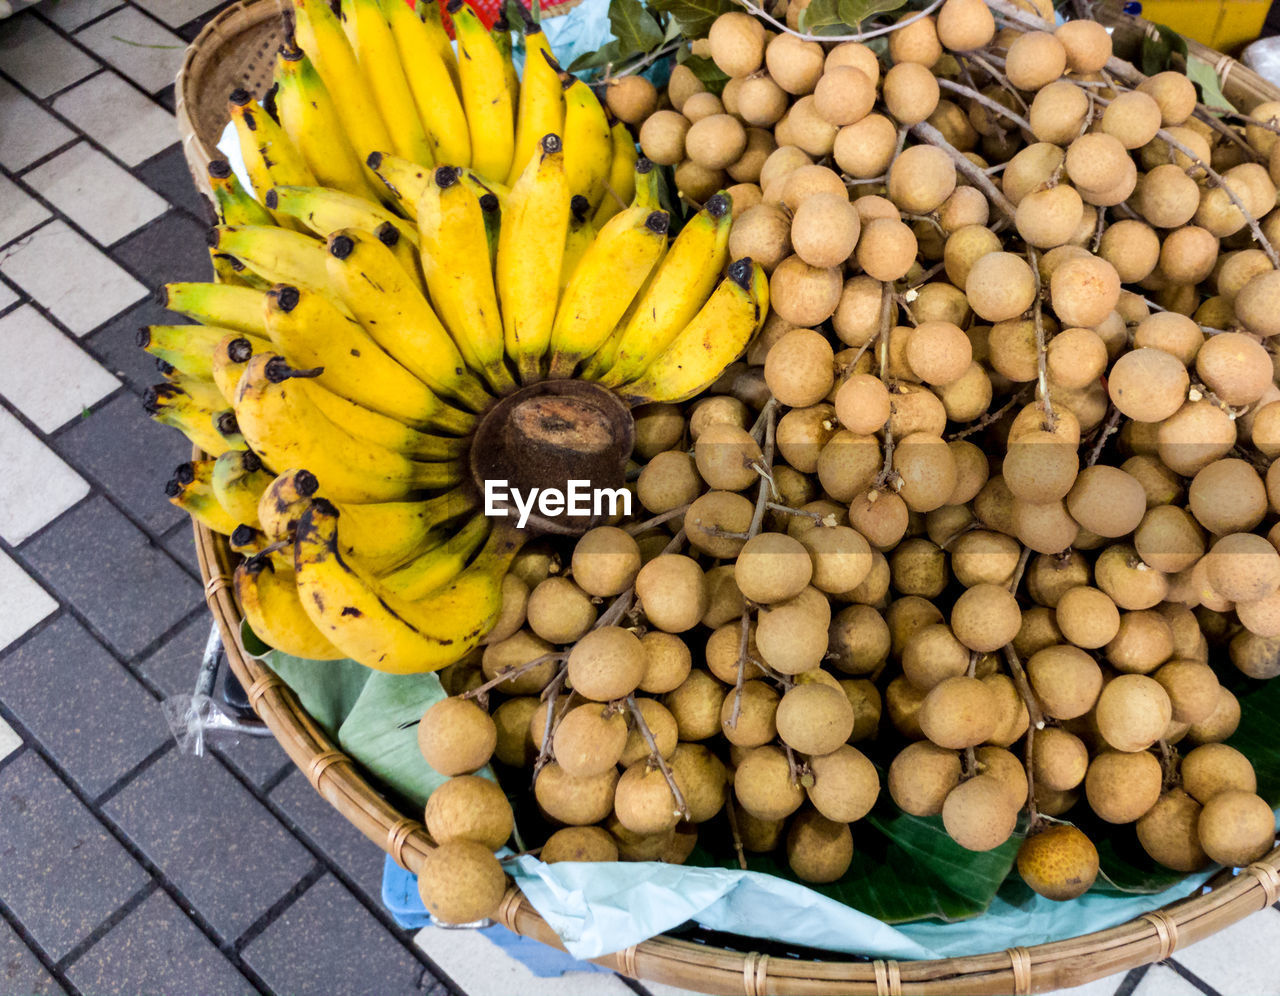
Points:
(236, 49)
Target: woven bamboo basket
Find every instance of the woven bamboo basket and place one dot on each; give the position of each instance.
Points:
(236, 49)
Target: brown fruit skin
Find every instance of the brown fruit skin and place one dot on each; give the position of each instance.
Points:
(1117, 721)
(631, 98)
(1169, 832)
(965, 25)
(469, 807)
(1214, 768)
(643, 801)
(845, 785)
(1060, 862)
(921, 776)
(662, 137)
(977, 813)
(461, 882)
(762, 784)
(453, 755)
(1121, 787)
(1236, 828)
(819, 850)
(579, 844)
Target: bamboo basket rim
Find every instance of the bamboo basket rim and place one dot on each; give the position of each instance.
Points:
(1225, 899)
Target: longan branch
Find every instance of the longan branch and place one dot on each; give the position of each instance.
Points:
(990, 417)
(885, 479)
(926, 132)
(1108, 428)
(737, 835)
(991, 65)
(985, 101)
(861, 36)
(512, 671)
(1023, 686)
(1015, 580)
(1042, 356)
(636, 528)
(1207, 329)
(549, 695)
(740, 678)
(656, 758)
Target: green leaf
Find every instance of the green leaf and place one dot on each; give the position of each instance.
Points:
(1206, 80)
(1255, 738)
(326, 689)
(607, 53)
(711, 75)
(1157, 53)
(836, 17)
(693, 16)
(634, 27)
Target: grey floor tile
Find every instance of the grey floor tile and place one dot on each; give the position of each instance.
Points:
(29, 131)
(81, 704)
(8, 296)
(24, 604)
(170, 248)
(19, 211)
(168, 175)
(9, 740)
(38, 57)
(1161, 980)
(70, 14)
(176, 13)
(173, 666)
(116, 344)
(259, 759)
(309, 812)
(20, 969)
(95, 192)
(181, 544)
(156, 949)
(127, 588)
(41, 825)
(131, 456)
(137, 46)
(226, 853)
(37, 486)
(361, 957)
(123, 121)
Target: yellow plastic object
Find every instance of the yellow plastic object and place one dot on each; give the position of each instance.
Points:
(1221, 24)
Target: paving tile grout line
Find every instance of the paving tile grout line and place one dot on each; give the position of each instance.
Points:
(110, 921)
(1190, 976)
(48, 964)
(273, 912)
(130, 776)
(1131, 980)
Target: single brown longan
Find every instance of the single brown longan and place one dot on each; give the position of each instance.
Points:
(965, 25)
(921, 178)
(1122, 787)
(825, 229)
(977, 814)
(456, 736)
(763, 785)
(1258, 304)
(662, 137)
(804, 295)
(1213, 768)
(1133, 712)
(1228, 496)
(724, 454)
(460, 881)
(1084, 291)
(1087, 43)
(737, 43)
(985, 617)
(1235, 367)
(921, 776)
(799, 369)
(1000, 286)
(1087, 617)
(1035, 59)
(763, 234)
(938, 352)
(1236, 828)
(1174, 93)
(911, 92)
(795, 64)
(886, 250)
(682, 85)
(1049, 218)
(1133, 119)
(579, 844)
(1148, 385)
(865, 148)
(844, 95)
(1066, 680)
(1076, 357)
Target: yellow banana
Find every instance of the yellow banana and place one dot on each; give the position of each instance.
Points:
(397, 316)
(438, 566)
(279, 255)
(200, 390)
(230, 356)
(381, 630)
(485, 97)
(541, 108)
(379, 61)
(604, 283)
(238, 482)
(270, 157)
(189, 348)
(431, 81)
(588, 145)
(228, 429)
(249, 542)
(223, 305)
(321, 36)
(433, 20)
(577, 240)
(500, 32)
(201, 506)
(235, 204)
(309, 116)
(530, 252)
(620, 185)
(195, 476)
(229, 270)
(405, 181)
(312, 333)
(681, 285)
(172, 407)
(715, 338)
(455, 260)
(286, 430)
(268, 596)
(492, 205)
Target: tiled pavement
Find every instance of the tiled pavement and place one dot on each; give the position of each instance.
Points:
(125, 866)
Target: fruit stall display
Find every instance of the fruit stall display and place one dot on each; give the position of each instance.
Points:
(930, 349)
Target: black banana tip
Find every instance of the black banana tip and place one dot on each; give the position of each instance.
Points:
(143, 338)
(250, 461)
(446, 176)
(718, 205)
(489, 203)
(272, 200)
(258, 563)
(219, 169)
(287, 298)
(212, 237)
(172, 488)
(239, 350)
(341, 246)
(324, 506)
(551, 144)
(184, 473)
(658, 222)
(242, 535)
(374, 160)
(387, 234)
(277, 369)
(226, 424)
(453, 6)
(644, 165)
(290, 52)
(740, 271)
(579, 206)
(240, 96)
(164, 366)
(151, 401)
(305, 483)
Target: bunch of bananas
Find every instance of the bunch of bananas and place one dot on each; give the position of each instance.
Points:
(426, 231)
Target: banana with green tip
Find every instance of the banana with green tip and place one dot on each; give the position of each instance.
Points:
(236, 205)
(200, 390)
(189, 489)
(175, 408)
(530, 253)
(492, 204)
(270, 157)
(620, 185)
(397, 316)
(455, 259)
(541, 107)
(309, 116)
(240, 309)
(379, 61)
(228, 429)
(681, 285)
(716, 337)
(229, 359)
(433, 568)
(279, 255)
(189, 348)
(485, 97)
(286, 430)
(381, 630)
(321, 36)
(268, 596)
(238, 481)
(431, 80)
(229, 270)
(312, 333)
(604, 283)
(588, 143)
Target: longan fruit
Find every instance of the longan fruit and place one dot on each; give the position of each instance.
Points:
(1256, 656)
(964, 247)
(1148, 385)
(921, 178)
(724, 454)
(1133, 712)
(999, 286)
(1087, 43)
(1167, 197)
(825, 229)
(607, 663)
(695, 704)
(1236, 828)
(1066, 680)
(918, 567)
(965, 25)
(579, 844)
(632, 99)
(513, 652)
(1076, 357)
(985, 617)
(1121, 787)
(858, 639)
(1107, 501)
(1174, 93)
(818, 849)
(761, 233)
(697, 182)
(773, 567)
(791, 637)
(724, 601)
(1228, 496)
(1235, 367)
(958, 712)
(977, 814)
(916, 409)
(761, 102)
(911, 92)
(1222, 722)
(737, 43)
(662, 137)
(1060, 759)
(1244, 567)
(1192, 688)
(845, 784)
(800, 368)
(575, 801)
(559, 611)
(746, 170)
(1132, 247)
(1035, 59)
(806, 295)
(938, 352)
(456, 736)
(969, 396)
(862, 405)
(659, 427)
(1195, 436)
(1257, 306)
(966, 206)
(682, 85)
(715, 141)
(1087, 617)
(803, 432)
(795, 64)
(814, 718)
(886, 250)
(643, 801)
(702, 778)
(1132, 118)
(984, 557)
(865, 148)
(755, 724)
(669, 480)
(1005, 768)
(461, 882)
(1031, 168)
(673, 594)
(1176, 334)
(469, 807)
(932, 655)
(921, 777)
(589, 739)
(511, 719)
(763, 787)
(1084, 291)
(1213, 768)
(848, 464)
(1040, 467)
(840, 556)
(844, 95)
(915, 41)
(1187, 255)
(867, 706)
(515, 599)
(1169, 832)
(1049, 218)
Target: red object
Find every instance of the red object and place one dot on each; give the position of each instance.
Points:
(487, 10)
